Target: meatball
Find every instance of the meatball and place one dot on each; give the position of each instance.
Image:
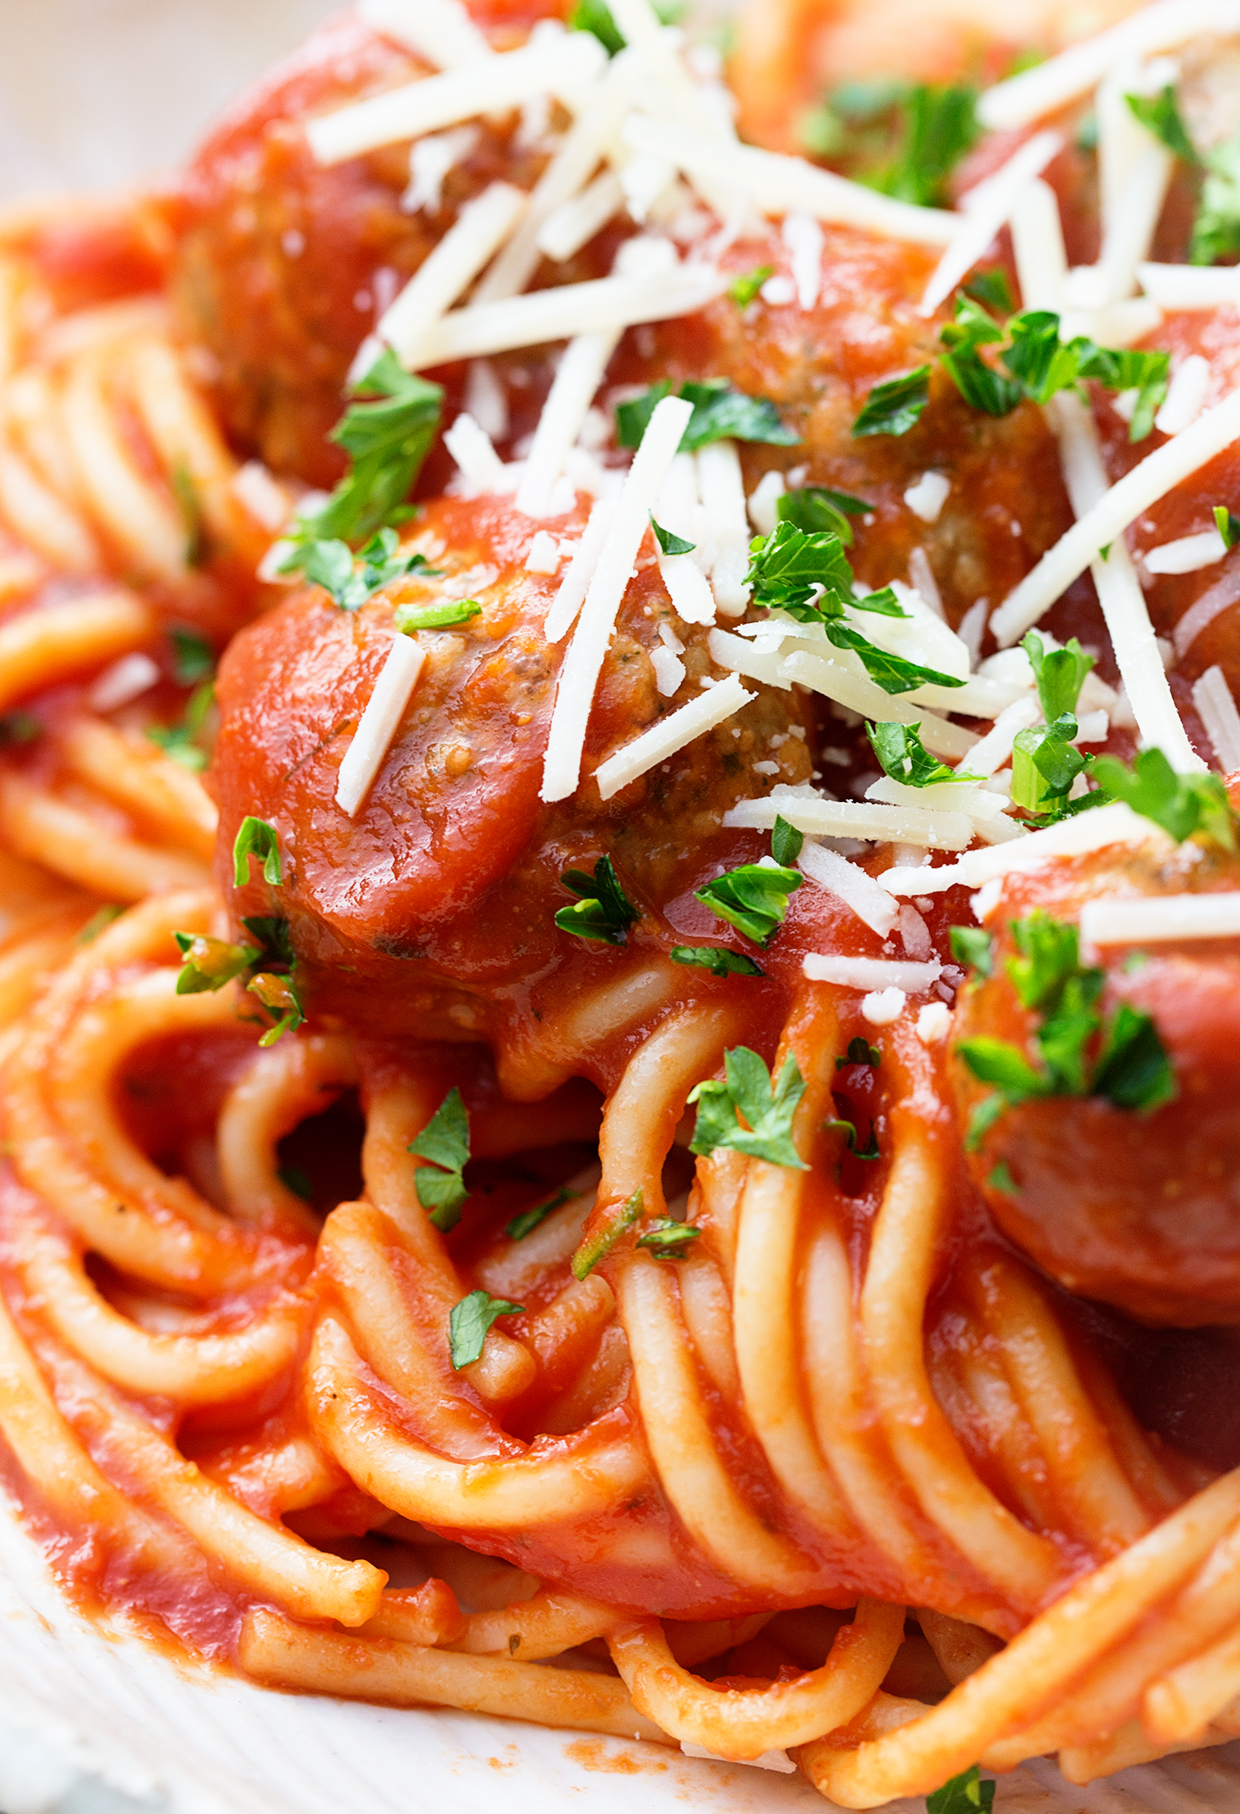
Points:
(1141, 1211)
(283, 267)
(441, 894)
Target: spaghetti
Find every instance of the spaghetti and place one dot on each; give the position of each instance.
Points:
(667, 1248)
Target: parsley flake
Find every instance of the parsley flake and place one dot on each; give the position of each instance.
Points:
(282, 998)
(387, 437)
(904, 757)
(1186, 806)
(849, 1130)
(964, 1794)
(668, 1240)
(410, 618)
(892, 408)
(608, 1229)
(786, 841)
(715, 958)
(193, 659)
(1160, 114)
(530, 1219)
(1227, 525)
(748, 1092)
(209, 962)
(973, 947)
(669, 542)
(603, 910)
(753, 898)
(720, 412)
(816, 508)
(469, 1324)
(180, 741)
(860, 1051)
(744, 289)
(444, 1141)
(255, 838)
(351, 579)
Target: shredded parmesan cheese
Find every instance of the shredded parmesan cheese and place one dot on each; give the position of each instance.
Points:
(783, 185)
(1186, 395)
(579, 375)
(544, 554)
(568, 600)
(602, 305)
(928, 495)
(494, 84)
(933, 1023)
(1191, 286)
(439, 30)
(883, 1006)
(1051, 85)
(126, 679)
(1094, 830)
(1213, 700)
(575, 222)
(984, 211)
(804, 239)
(1188, 555)
(450, 269)
(1220, 597)
(1037, 241)
(872, 972)
(1159, 473)
(574, 694)
(668, 735)
(722, 490)
(858, 890)
(1159, 918)
(379, 723)
(817, 816)
(481, 468)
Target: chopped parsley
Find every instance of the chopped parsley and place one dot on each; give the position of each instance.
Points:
(282, 999)
(896, 405)
(786, 841)
(992, 288)
(98, 922)
(1216, 227)
(530, 1219)
(209, 963)
(768, 1111)
(452, 611)
(1034, 363)
(595, 16)
(669, 542)
(964, 1794)
(255, 838)
(599, 1241)
(717, 959)
(1076, 1053)
(744, 289)
(603, 911)
(387, 436)
(1045, 762)
(849, 1130)
(973, 947)
(720, 412)
(189, 501)
(815, 508)
(902, 139)
(444, 1141)
(1186, 806)
(180, 742)
(293, 1178)
(469, 1324)
(860, 1051)
(903, 756)
(352, 579)
(1227, 525)
(1160, 114)
(753, 898)
(193, 659)
(668, 1240)
(808, 576)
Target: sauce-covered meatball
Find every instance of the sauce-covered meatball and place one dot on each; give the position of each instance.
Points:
(1139, 1210)
(442, 890)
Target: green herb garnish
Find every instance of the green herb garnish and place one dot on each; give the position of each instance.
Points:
(255, 838)
(753, 898)
(410, 618)
(720, 412)
(964, 1794)
(1186, 806)
(598, 1243)
(816, 508)
(786, 842)
(748, 1092)
(715, 958)
(860, 1051)
(669, 542)
(973, 947)
(351, 579)
(444, 1141)
(180, 741)
(903, 756)
(744, 289)
(893, 407)
(1227, 525)
(603, 910)
(193, 659)
(470, 1322)
(529, 1219)
(668, 1240)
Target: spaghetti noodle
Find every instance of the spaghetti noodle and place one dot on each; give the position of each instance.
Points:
(673, 1258)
